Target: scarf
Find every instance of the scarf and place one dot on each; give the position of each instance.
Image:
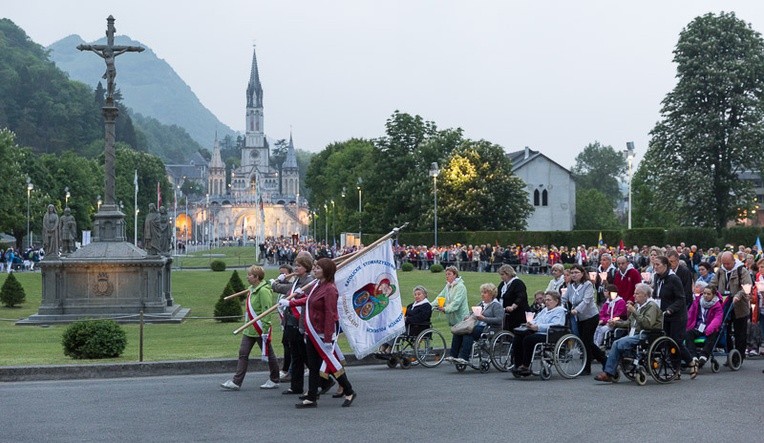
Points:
(708, 304)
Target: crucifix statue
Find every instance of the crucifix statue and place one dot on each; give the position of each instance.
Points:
(109, 52)
(109, 223)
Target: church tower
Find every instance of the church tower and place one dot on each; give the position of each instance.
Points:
(290, 173)
(216, 177)
(255, 152)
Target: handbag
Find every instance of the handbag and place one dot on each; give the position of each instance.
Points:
(464, 327)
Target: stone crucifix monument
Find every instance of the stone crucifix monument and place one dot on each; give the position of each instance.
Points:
(109, 278)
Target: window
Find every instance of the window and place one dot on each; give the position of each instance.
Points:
(544, 198)
(536, 197)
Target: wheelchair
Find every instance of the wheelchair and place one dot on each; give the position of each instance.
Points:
(487, 350)
(734, 359)
(655, 354)
(561, 349)
(427, 348)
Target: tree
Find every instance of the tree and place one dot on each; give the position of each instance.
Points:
(602, 168)
(277, 159)
(479, 191)
(594, 210)
(12, 293)
(228, 311)
(712, 124)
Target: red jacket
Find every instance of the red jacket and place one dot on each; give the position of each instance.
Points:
(627, 282)
(322, 309)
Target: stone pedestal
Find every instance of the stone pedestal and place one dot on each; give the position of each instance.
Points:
(107, 279)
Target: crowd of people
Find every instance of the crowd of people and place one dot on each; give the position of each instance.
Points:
(14, 260)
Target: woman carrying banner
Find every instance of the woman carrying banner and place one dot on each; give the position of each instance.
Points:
(259, 299)
(321, 331)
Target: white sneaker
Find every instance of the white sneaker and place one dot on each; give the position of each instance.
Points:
(269, 385)
(230, 385)
(283, 374)
(449, 359)
(461, 361)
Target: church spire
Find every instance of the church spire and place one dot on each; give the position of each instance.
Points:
(254, 88)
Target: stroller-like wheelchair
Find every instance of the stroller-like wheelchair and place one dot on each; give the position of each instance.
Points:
(426, 348)
(561, 349)
(734, 359)
(655, 354)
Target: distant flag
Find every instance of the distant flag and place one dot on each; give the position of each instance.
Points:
(600, 242)
(159, 196)
(758, 244)
(621, 246)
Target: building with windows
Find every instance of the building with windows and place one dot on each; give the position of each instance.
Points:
(259, 199)
(551, 190)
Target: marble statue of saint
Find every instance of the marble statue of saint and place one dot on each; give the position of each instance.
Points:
(68, 232)
(50, 232)
(150, 231)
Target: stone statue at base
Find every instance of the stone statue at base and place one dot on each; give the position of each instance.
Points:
(50, 232)
(164, 229)
(68, 232)
(151, 233)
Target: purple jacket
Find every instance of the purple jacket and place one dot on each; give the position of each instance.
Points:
(713, 317)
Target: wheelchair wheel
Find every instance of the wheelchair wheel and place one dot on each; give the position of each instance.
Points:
(501, 351)
(392, 362)
(405, 362)
(641, 376)
(460, 367)
(662, 356)
(546, 371)
(715, 365)
(430, 348)
(485, 366)
(628, 370)
(569, 356)
(734, 360)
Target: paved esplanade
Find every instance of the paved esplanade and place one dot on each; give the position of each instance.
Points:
(393, 405)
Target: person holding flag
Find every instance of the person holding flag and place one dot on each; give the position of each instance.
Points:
(321, 329)
(259, 299)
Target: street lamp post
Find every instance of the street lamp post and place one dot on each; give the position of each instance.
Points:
(30, 186)
(360, 211)
(334, 228)
(99, 201)
(434, 171)
(66, 189)
(326, 224)
(630, 155)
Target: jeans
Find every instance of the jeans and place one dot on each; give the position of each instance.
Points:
(619, 347)
(461, 345)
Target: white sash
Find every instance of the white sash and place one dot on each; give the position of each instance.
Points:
(258, 325)
(328, 351)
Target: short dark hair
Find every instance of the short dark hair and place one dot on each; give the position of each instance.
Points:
(328, 267)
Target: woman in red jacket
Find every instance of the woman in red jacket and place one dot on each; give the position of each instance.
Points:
(321, 331)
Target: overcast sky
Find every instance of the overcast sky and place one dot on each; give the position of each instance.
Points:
(551, 75)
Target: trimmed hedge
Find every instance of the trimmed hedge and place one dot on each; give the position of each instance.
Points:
(91, 339)
(407, 267)
(437, 267)
(217, 265)
(702, 237)
(228, 311)
(12, 293)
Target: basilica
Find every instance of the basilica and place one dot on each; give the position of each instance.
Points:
(257, 201)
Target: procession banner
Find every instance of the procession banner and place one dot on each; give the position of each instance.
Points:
(369, 303)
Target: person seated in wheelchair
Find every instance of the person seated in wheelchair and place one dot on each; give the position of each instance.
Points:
(645, 316)
(535, 331)
(704, 319)
(416, 319)
(418, 313)
(613, 309)
(489, 313)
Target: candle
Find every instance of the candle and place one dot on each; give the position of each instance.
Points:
(529, 317)
(441, 301)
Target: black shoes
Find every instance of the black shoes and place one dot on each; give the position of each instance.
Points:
(306, 404)
(349, 400)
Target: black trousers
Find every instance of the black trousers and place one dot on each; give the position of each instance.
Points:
(740, 326)
(586, 329)
(296, 341)
(314, 378)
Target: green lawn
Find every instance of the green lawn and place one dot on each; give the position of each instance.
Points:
(195, 338)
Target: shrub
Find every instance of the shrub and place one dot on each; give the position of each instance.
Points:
(94, 339)
(236, 284)
(407, 267)
(437, 267)
(229, 310)
(217, 265)
(12, 293)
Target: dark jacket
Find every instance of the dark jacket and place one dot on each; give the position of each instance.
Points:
(684, 274)
(517, 294)
(285, 288)
(668, 288)
(418, 319)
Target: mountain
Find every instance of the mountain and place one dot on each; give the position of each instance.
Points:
(148, 84)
